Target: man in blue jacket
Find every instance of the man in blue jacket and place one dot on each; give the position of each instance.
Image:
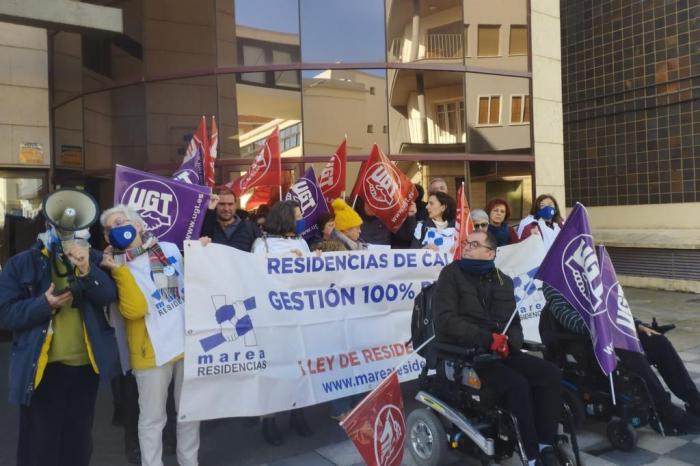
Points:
(54, 305)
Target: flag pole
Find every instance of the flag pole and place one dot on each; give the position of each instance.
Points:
(354, 201)
(612, 390)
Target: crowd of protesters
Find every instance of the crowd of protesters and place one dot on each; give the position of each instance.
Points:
(64, 344)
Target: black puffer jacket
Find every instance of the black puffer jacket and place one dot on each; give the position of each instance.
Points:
(243, 236)
(469, 307)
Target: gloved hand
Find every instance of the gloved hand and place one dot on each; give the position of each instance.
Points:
(499, 345)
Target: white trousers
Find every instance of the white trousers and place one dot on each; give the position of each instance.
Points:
(153, 395)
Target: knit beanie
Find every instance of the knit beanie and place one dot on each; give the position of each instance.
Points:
(345, 216)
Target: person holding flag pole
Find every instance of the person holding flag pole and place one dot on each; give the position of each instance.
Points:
(474, 307)
(585, 297)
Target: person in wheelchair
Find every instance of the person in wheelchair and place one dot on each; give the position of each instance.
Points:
(658, 352)
(472, 304)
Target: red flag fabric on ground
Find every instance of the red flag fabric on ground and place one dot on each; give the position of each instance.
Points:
(211, 154)
(266, 169)
(385, 190)
(377, 427)
(332, 179)
(463, 223)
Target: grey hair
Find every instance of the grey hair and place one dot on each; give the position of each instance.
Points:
(479, 214)
(125, 210)
(437, 180)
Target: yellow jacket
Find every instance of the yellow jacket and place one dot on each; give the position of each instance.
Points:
(133, 307)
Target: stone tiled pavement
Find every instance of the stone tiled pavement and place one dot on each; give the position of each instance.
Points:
(233, 442)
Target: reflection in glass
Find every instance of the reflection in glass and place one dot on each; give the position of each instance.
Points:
(496, 34)
(424, 31)
(498, 111)
(267, 33)
(261, 108)
(342, 31)
(344, 102)
(427, 112)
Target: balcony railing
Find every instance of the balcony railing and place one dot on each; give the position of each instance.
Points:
(435, 46)
(443, 46)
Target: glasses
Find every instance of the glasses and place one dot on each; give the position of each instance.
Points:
(484, 226)
(476, 244)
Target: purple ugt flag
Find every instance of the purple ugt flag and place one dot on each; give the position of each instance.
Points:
(624, 329)
(571, 266)
(307, 193)
(173, 211)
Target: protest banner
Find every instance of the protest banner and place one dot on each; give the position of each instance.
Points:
(520, 261)
(173, 211)
(269, 334)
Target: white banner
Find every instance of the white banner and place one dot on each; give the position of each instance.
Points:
(269, 334)
(521, 261)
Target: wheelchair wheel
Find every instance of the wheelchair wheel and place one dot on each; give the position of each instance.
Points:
(621, 435)
(578, 410)
(427, 439)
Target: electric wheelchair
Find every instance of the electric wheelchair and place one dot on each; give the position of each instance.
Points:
(587, 391)
(462, 415)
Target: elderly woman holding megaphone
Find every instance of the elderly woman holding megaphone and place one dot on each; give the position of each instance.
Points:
(51, 297)
(150, 280)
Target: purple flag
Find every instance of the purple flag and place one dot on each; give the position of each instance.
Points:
(173, 211)
(621, 321)
(571, 266)
(307, 193)
(190, 171)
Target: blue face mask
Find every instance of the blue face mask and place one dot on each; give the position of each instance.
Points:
(546, 212)
(300, 226)
(121, 237)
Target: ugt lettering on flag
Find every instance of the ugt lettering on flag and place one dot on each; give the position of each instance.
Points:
(377, 427)
(571, 266)
(311, 201)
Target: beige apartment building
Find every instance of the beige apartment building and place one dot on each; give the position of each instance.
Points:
(468, 90)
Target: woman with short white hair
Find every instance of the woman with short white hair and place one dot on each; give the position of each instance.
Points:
(150, 280)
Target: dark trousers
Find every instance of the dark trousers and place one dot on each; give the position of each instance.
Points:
(531, 390)
(56, 428)
(661, 353)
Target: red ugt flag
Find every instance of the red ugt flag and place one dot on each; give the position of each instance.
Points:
(210, 155)
(385, 190)
(266, 169)
(376, 426)
(332, 179)
(463, 223)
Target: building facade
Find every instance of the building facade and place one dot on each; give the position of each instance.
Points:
(631, 93)
(468, 90)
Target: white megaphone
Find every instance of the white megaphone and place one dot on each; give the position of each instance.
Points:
(70, 210)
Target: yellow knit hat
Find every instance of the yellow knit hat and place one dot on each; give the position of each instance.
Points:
(345, 216)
